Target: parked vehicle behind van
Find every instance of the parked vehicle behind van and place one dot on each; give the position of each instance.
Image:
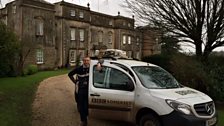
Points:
(147, 95)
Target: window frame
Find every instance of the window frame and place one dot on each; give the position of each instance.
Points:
(39, 56)
(100, 36)
(124, 23)
(137, 54)
(14, 8)
(129, 40)
(5, 20)
(72, 13)
(110, 23)
(110, 37)
(72, 34)
(81, 35)
(124, 39)
(129, 25)
(129, 53)
(81, 14)
(137, 41)
(39, 27)
(72, 57)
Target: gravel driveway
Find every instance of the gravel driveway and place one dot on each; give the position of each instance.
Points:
(54, 105)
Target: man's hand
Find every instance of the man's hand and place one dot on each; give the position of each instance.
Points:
(99, 67)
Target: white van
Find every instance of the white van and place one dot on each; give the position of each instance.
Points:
(146, 95)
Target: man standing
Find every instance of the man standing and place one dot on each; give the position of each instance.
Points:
(82, 74)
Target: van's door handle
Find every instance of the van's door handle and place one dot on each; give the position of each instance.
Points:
(95, 95)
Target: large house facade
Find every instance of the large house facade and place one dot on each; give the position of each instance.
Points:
(54, 35)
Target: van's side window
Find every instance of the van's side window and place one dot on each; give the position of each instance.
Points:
(99, 77)
(110, 78)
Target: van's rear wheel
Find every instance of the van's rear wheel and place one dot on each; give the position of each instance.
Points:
(149, 120)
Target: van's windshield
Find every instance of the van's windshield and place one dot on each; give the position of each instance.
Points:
(155, 77)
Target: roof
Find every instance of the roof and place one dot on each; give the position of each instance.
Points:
(93, 12)
(43, 1)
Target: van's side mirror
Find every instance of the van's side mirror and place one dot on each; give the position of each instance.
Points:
(130, 86)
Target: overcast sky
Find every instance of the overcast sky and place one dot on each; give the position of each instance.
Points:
(104, 6)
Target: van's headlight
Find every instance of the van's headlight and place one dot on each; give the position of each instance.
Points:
(181, 107)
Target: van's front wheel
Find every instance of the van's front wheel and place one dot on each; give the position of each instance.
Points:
(149, 120)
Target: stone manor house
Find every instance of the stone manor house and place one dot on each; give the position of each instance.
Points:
(53, 35)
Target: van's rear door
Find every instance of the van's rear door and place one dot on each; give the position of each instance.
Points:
(111, 93)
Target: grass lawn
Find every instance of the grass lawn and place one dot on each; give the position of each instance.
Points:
(221, 117)
(17, 95)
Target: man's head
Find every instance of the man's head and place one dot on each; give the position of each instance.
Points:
(86, 61)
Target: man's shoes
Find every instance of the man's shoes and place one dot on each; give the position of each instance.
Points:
(83, 124)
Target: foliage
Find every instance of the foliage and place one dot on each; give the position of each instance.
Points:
(215, 70)
(197, 22)
(9, 48)
(221, 117)
(161, 60)
(169, 45)
(16, 97)
(189, 72)
(31, 69)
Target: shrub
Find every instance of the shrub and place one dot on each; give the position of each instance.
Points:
(31, 69)
(9, 48)
(189, 72)
(215, 69)
(160, 60)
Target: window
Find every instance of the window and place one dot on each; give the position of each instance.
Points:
(110, 78)
(100, 35)
(157, 40)
(72, 13)
(110, 37)
(13, 8)
(137, 41)
(81, 14)
(72, 33)
(39, 27)
(72, 56)
(110, 22)
(124, 23)
(5, 20)
(129, 24)
(81, 34)
(129, 53)
(137, 55)
(155, 77)
(129, 39)
(124, 39)
(81, 54)
(40, 56)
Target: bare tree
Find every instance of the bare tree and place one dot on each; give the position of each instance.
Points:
(199, 22)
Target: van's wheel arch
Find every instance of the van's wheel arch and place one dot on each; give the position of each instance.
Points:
(149, 120)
